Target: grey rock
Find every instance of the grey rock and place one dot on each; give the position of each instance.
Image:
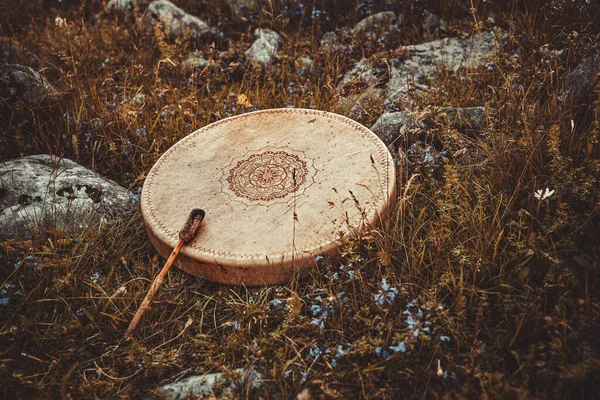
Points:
(405, 93)
(194, 61)
(468, 51)
(358, 103)
(364, 72)
(391, 127)
(382, 22)
(42, 191)
(122, 6)
(582, 79)
(177, 22)
(471, 118)
(242, 8)
(432, 24)
(330, 42)
(206, 385)
(11, 51)
(21, 84)
(139, 99)
(266, 47)
(307, 64)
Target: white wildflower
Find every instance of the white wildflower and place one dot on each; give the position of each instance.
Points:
(543, 194)
(58, 21)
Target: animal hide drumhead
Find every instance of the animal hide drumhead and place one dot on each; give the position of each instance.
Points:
(278, 186)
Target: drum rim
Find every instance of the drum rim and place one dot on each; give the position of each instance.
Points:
(211, 257)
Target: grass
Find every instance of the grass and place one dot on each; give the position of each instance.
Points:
(506, 284)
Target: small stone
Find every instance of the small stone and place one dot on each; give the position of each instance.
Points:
(43, 191)
(330, 42)
(470, 118)
(266, 47)
(432, 24)
(392, 127)
(241, 9)
(205, 385)
(121, 6)
(21, 84)
(363, 72)
(306, 63)
(139, 99)
(194, 61)
(382, 22)
(177, 22)
(355, 105)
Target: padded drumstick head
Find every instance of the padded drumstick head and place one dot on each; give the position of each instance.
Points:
(192, 224)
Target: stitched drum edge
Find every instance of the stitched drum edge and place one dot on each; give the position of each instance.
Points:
(385, 161)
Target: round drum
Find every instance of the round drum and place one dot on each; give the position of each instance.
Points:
(278, 186)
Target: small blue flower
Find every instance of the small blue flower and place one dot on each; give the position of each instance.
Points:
(445, 338)
(318, 322)
(276, 302)
(384, 285)
(4, 302)
(315, 309)
(287, 373)
(400, 348)
(314, 352)
(236, 325)
(381, 352)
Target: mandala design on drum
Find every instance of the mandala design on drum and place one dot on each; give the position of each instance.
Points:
(267, 176)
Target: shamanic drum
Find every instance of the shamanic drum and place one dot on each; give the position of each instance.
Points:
(278, 186)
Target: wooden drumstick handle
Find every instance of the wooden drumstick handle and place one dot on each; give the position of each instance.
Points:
(185, 235)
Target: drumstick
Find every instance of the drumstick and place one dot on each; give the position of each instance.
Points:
(185, 235)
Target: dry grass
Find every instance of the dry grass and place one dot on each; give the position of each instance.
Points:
(506, 285)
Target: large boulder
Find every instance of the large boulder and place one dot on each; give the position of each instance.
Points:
(452, 53)
(266, 47)
(42, 191)
(582, 79)
(421, 60)
(21, 84)
(177, 23)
